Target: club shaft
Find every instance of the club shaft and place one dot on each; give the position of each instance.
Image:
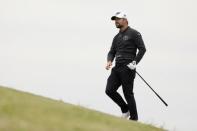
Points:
(152, 89)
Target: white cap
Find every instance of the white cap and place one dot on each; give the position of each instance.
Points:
(119, 15)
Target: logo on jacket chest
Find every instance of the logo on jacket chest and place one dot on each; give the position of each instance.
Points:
(125, 37)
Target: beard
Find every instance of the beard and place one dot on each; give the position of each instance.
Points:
(118, 25)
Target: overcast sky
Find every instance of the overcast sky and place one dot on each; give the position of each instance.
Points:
(58, 49)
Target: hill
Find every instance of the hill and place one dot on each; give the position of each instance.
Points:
(21, 111)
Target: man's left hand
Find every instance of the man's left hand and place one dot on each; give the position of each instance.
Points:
(132, 65)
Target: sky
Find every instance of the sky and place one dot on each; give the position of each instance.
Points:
(58, 49)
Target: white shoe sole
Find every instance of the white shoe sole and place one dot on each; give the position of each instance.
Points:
(125, 115)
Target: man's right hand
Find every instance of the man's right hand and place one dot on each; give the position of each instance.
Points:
(108, 66)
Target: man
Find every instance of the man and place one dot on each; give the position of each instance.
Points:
(124, 48)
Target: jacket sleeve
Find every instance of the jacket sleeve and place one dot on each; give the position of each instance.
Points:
(112, 52)
(140, 46)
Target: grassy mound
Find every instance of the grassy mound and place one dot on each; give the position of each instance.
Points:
(21, 111)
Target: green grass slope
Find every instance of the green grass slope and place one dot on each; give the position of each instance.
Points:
(20, 111)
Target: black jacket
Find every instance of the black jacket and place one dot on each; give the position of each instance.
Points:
(124, 47)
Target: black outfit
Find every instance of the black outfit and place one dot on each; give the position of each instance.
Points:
(124, 48)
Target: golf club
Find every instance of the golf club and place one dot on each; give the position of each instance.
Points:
(152, 89)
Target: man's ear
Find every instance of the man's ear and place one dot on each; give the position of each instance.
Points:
(126, 21)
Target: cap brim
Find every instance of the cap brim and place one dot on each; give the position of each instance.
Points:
(113, 17)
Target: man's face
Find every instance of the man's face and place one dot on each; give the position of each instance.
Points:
(119, 22)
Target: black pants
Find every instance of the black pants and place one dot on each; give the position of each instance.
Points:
(122, 75)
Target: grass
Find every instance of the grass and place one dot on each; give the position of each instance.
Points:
(21, 111)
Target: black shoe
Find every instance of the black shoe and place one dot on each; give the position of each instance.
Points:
(134, 118)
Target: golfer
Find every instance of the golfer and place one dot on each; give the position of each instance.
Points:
(124, 48)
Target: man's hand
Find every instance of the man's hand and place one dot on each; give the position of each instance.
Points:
(132, 65)
(108, 66)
